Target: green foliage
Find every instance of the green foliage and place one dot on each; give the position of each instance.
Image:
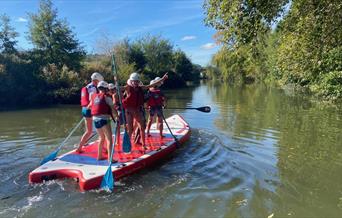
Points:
(241, 22)
(54, 41)
(211, 72)
(151, 56)
(136, 56)
(309, 52)
(304, 49)
(56, 68)
(158, 53)
(184, 67)
(330, 85)
(7, 36)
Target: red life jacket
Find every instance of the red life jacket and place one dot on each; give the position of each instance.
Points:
(155, 98)
(134, 98)
(99, 107)
(84, 97)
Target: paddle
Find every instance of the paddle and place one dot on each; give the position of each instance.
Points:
(126, 144)
(177, 142)
(205, 109)
(53, 155)
(108, 179)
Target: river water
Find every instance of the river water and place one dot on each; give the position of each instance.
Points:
(261, 152)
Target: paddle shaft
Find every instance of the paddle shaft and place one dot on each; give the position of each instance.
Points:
(169, 128)
(205, 109)
(126, 143)
(116, 79)
(70, 134)
(112, 151)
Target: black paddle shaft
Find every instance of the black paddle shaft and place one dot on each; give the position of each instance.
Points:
(205, 109)
(177, 142)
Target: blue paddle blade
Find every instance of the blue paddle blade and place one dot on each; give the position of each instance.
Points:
(108, 180)
(126, 144)
(51, 156)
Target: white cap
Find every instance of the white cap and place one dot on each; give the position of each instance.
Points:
(152, 81)
(102, 84)
(96, 76)
(134, 76)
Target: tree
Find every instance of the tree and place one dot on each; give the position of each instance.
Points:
(183, 66)
(7, 36)
(137, 56)
(242, 27)
(158, 54)
(53, 39)
(240, 22)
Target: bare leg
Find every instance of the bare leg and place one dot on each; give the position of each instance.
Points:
(89, 128)
(101, 142)
(118, 133)
(108, 136)
(141, 125)
(160, 126)
(149, 124)
(129, 118)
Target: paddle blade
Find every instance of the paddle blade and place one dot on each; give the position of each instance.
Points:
(205, 109)
(126, 144)
(51, 156)
(108, 180)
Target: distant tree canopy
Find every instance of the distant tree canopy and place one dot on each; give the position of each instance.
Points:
(57, 66)
(7, 36)
(303, 48)
(151, 56)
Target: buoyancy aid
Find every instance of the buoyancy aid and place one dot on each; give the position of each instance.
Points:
(155, 98)
(99, 107)
(86, 94)
(84, 97)
(134, 98)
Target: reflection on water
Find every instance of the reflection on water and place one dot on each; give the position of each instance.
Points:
(259, 152)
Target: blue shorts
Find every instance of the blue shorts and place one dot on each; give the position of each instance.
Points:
(100, 123)
(156, 110)
(86, 112)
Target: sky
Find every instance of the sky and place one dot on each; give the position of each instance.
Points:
(180, 21)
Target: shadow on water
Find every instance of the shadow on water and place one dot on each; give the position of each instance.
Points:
(259, 152)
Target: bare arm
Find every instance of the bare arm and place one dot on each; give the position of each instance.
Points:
(110, 103)
(90, 104)
(156, 83)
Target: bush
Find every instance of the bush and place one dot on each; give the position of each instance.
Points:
(330, 85)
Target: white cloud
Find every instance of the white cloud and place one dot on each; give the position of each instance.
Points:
(199, 55)
(21, 19)
(208, 46)
(185, 38)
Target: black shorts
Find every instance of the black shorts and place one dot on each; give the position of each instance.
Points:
(156, 110)
(100, 123)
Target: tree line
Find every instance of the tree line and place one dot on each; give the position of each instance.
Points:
(282, 41)
(57, 66)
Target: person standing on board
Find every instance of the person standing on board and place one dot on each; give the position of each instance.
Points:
(155, 103)
(102, 109)
(133, 104)
(86, 94)
(115, 97)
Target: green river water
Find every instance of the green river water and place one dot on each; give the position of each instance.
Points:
(261, 152)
